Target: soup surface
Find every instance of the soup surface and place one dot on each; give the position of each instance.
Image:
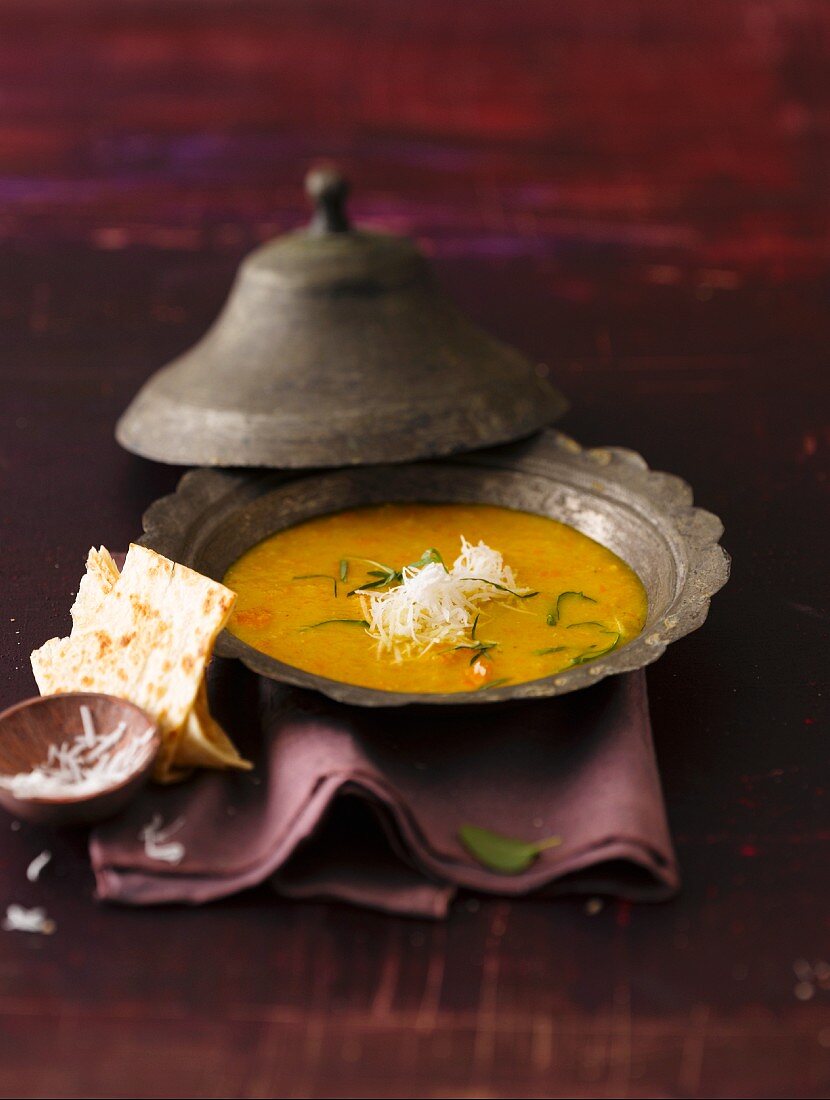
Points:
(577, 600)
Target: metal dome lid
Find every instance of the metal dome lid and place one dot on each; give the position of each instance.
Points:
(336, 347)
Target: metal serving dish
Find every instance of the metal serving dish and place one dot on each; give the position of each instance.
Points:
(645, 517)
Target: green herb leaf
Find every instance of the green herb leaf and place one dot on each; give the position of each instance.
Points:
(427, 558)
(344, 568)
(483, 651)
(474, 626)
(385, 574)
(503, 588)
(384, 580)
(553, 649)
(555, 613)
(503, 854)
(592, 653)
(479, 648)
(588, 622)
(317, 576)
(494, 684)
(328, 622)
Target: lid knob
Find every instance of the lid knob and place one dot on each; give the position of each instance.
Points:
(327, 188)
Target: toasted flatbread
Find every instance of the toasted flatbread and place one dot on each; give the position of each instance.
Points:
(200, 743)
(146, 635)
(96, 584)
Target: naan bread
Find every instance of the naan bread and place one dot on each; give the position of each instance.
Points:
(147, 635)
(200, 743)
(96, 584)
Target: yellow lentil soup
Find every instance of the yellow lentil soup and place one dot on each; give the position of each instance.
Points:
(574, 600)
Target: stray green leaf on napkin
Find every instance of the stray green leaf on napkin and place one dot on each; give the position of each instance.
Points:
(503, 854)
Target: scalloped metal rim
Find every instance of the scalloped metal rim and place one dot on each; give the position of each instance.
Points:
(174, 525)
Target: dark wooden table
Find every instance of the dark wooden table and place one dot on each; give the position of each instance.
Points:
(634, 192)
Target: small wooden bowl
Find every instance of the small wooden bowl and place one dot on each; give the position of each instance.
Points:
(28, 729)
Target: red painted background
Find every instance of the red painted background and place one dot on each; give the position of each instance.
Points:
(636, 191)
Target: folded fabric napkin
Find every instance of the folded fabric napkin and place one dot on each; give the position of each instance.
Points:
(365, 805)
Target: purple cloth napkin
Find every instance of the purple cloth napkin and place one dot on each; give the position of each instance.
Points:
(365, 805)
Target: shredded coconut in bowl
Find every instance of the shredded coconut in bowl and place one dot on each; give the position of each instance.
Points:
(83, 766)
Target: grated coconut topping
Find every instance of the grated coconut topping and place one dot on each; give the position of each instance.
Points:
(434, 605)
